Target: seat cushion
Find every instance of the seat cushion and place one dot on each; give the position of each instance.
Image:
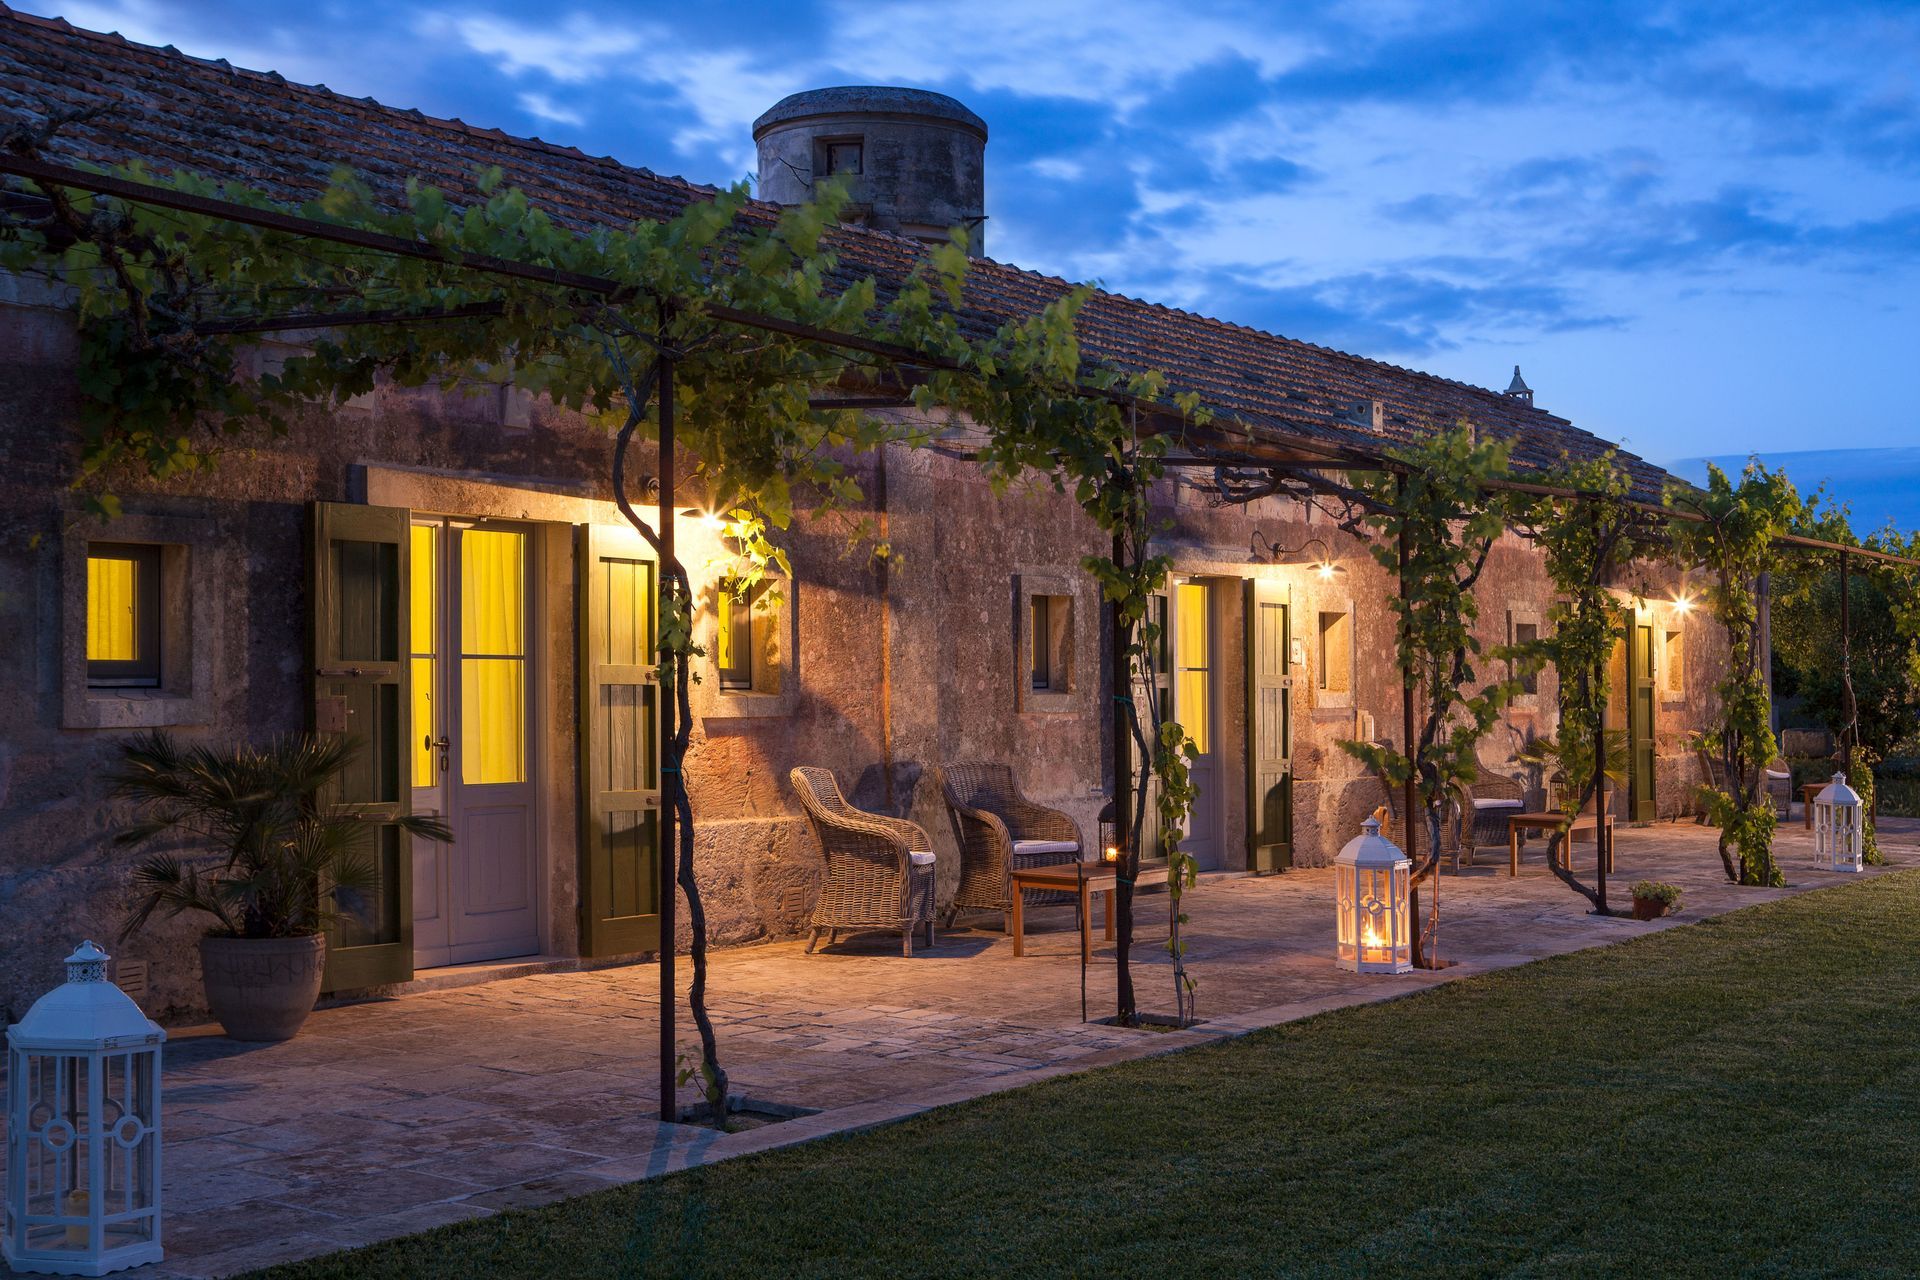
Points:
(1498, 804)
(1022, 847)
(921, 857)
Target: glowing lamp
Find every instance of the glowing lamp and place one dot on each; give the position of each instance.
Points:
(1838, 841)
(1109, 836)
(1370, 880)
(83, 1129)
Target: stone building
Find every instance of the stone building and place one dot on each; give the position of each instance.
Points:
(500, 502)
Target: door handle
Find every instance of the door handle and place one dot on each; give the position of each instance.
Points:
(442, 745)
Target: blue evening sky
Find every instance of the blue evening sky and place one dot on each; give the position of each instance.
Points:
(1693, 224)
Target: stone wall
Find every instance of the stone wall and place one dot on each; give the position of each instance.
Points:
(896, 668)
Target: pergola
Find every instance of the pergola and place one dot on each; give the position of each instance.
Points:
(1291, 462)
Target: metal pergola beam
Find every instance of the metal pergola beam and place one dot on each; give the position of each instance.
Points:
(1277, 448)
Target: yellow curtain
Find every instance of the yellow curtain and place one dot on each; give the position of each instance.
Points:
(1193, 698)
(426, 644)
(113, 633)
(493, 697)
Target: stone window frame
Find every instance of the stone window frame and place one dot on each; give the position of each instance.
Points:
(775, 689)
(1516, 618)
(191, 562)
(1334, 699)
(825, 147)
(1064, 684)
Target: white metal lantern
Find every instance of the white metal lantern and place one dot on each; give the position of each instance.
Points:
(1838, 841)
(83, 1129)
(1370, 891)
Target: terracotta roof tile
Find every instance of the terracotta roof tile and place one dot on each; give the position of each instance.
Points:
(171, 110)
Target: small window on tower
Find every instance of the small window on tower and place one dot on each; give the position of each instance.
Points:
(843, 156)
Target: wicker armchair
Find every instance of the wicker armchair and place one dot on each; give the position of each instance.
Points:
(879, 869)
(1777, 783)
(1491, 800)
(999, 829)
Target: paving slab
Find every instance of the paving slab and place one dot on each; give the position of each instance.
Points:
(396, 1116)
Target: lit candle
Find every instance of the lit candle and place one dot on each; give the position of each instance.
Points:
(1110, 854)
(74, 1205)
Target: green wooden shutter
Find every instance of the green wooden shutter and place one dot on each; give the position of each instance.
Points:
(619, 743)
(1640, 722)
(1269, 727)
(357, 607)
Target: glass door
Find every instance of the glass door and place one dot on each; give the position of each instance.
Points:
(478, 898)
(1195, 706)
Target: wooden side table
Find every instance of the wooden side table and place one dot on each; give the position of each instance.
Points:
(1550, 823)
(1081, 878)
(1808, 790)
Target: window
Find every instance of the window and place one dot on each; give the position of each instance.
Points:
(492, 655)
(1043, 643)
(1049, 642)
(739, 634)
(841, 155)
(1527, 633)
(123, 615)
(1673, 668)
(1193, 664)
(1335, 655)
(1042, 637)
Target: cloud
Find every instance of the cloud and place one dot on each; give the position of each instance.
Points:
(541, 107)
(576, 50)
(1430, 179)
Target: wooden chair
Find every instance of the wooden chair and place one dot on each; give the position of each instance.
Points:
(999, 829)
(879, 870)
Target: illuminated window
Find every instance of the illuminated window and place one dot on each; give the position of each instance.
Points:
(740, 634)
(493, 656)
(1193, 664)
(1673, 664)
(427, 724)
(1336, 651)
(123, 615)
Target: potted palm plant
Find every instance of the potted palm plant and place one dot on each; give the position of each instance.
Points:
(1568, 765)
(273, 866)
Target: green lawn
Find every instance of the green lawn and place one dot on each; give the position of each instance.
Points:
(1735, 1097)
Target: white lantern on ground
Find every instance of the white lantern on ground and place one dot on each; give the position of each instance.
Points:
(1370, 892)
(1838, 840)
(83, 1129)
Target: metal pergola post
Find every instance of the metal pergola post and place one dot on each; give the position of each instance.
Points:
(670, 766)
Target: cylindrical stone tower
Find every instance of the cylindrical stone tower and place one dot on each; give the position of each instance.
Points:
(915, 161)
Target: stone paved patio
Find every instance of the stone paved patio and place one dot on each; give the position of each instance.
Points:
(389, 1118)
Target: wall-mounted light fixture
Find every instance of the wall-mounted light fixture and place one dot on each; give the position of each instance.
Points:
(1266, 550)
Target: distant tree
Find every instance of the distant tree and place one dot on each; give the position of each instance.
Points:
(1883, 646)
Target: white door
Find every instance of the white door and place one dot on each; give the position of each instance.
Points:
(1196, 705)
(478, 898)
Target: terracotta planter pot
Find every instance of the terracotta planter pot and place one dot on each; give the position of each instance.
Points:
(262, 988)
(1648, 908)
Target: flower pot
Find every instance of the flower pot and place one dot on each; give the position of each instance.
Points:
(1648, 908)
(262, 988)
